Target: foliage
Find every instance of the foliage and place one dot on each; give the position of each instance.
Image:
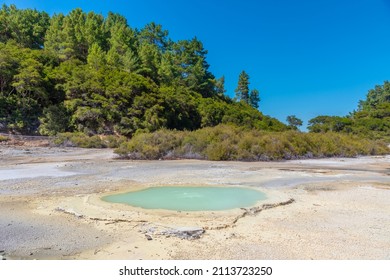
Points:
(242, 91)
(225, 142)
(379, 95)
(27, 27)
(82, 72)
(294, 122)
(55, 119)
(82, 140)
(254, 98)
(372, 119)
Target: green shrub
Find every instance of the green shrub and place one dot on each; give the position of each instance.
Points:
(226, 142)
(82, 140)
(220, 151)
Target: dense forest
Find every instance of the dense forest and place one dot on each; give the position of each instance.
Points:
(86, 73)
(94, 81)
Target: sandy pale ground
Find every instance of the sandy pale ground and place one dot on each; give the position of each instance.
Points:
(51, 208)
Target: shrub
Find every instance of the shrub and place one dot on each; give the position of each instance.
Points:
(82, 140)
(226, 142)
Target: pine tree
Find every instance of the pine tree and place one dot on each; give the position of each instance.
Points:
(254, 98)
(242, 90)
(55, 37)
(96, 57)
(220, 86)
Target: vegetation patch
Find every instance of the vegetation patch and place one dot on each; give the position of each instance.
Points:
(371, 119)
(97, 75)
(3, 138)
(225, 142)
(82, 140)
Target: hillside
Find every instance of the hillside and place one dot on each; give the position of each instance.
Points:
(83, 72)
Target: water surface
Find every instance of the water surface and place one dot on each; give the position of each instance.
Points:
(189, 198)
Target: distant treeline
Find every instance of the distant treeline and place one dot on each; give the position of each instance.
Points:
(371, 119)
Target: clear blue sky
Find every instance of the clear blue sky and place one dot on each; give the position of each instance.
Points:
(306, 57)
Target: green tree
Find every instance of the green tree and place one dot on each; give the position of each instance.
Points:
(96, 57)
(330, 123)
(5, 26)
(376, 96)
(242, 90)
(94, 30)
(55, 119)
(153, 34)
(294, 122)
(98, 75)
(29, 80)
(27, 27)
(150, 61)
(131, 62)
(8, 65)
(220, 86)
(254, 98)
(191, 68)
(168, 71)
(55, 37)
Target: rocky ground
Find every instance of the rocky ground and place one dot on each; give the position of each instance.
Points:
(50, 208)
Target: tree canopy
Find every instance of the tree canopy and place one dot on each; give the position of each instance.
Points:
(242, 91)
(371, 119)
(83, 72)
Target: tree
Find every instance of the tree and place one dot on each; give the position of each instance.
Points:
(27, 27)
(96, 57)
(330, 123)
(84, 72)
(220, 86)
(8, 65)
(150, 61)
(94, 30)
(242, 90)
(55, 41)
(29, 81)
(54, 119)
(191, 68)
(154, 34)
(254, 98)
(376, 96)
(294, 122)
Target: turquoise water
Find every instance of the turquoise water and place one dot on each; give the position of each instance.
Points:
(189, 198)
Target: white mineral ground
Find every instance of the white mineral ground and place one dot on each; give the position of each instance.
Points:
(50, 208)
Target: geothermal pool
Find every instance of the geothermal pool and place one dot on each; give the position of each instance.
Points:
(189, 198)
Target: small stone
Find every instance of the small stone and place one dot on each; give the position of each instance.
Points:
(148, 237)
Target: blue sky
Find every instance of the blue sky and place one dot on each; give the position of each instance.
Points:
(306, 57)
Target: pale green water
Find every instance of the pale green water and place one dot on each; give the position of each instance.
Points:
(189, 198)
